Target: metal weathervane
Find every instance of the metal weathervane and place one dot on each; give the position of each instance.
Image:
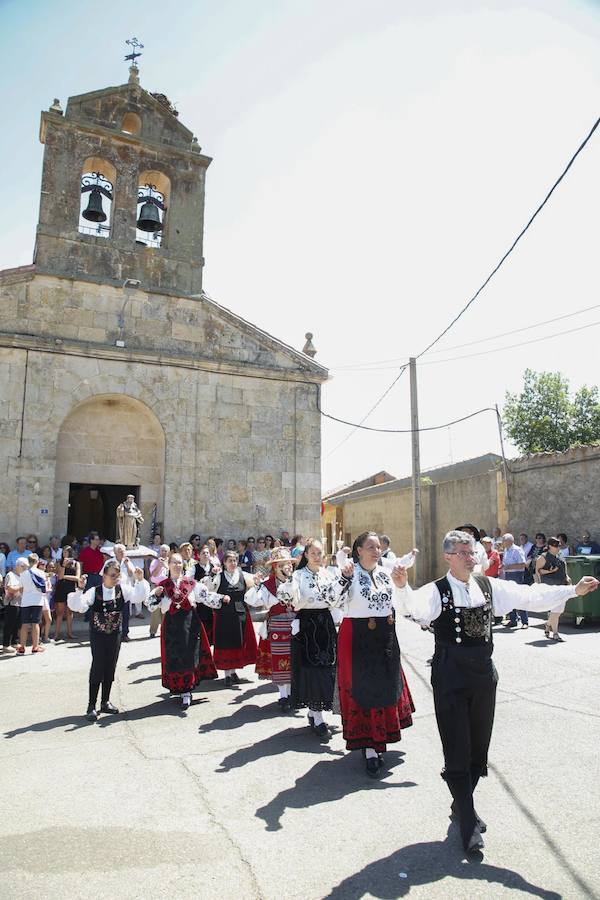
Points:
(136, 46)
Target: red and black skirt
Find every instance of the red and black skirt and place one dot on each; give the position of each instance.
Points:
(273, 659)
(234, 636)
(375, 699)
(185, 654)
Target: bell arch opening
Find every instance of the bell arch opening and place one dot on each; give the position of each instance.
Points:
(154, 191)
(98, 177)
(107, 443)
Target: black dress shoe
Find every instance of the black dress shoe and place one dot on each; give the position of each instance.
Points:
(479, 822)
(235, 678)
(322, 731)
(228, 681)
(109, 708)
(372, 766)
(125, 637)
(283, 704)
(91, 715)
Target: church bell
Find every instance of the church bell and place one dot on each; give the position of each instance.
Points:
(149, 219)
(93, 211)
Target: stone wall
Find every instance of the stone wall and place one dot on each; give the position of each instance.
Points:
(553, 492)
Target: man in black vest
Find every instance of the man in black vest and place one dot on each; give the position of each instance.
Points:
(105, 603)
(461, 607)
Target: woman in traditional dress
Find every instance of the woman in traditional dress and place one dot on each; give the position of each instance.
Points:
(274, 648)
(105, 604)
(184, 649)
(313, 591)
(235, 640)
(375, 698)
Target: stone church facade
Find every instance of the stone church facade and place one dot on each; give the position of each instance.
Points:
(119, 374)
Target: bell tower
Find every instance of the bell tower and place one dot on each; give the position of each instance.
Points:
(122, 191)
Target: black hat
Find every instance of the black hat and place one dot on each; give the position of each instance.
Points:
(472, 528)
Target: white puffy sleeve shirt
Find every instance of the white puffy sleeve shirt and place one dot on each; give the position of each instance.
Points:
(261, 597)
(80, 601)
(424, 605)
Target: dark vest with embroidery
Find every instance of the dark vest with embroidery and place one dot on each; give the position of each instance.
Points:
(459, 626)
(106, 615)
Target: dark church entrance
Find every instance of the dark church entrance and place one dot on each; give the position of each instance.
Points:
(93, 507)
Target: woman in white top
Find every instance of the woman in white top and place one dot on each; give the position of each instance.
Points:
(185, 653)
(105, 603)
(375, 699)
(313, 592)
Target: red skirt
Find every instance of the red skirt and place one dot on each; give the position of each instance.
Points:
(374, 727)
(238, 657)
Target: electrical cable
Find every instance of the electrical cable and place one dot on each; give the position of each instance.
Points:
(410, 430)
(377, 365)
(546, 337)
(453, 322)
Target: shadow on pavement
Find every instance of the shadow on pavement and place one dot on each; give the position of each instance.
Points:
(244, 715)
(262, 688)
(289, 740)
(143, 662)
(427, 863)
(48, 725)
(326, 782)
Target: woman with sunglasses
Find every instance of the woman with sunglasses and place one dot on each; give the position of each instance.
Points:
(105, 603)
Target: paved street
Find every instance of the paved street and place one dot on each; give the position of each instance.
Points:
(236, 801)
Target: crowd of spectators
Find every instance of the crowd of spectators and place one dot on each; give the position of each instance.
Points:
(35, 580)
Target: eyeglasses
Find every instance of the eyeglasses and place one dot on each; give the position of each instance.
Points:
(466, 554)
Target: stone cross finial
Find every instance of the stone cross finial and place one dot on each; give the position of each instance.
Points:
(134, 74)
(56, 107)
(309, 348)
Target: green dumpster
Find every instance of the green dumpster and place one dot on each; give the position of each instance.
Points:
(587, 607)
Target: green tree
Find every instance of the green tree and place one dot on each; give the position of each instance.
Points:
(585, 427)
(544, 417)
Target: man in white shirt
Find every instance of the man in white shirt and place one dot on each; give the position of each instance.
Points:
(33, 583)
(55, 548)
(461, 607)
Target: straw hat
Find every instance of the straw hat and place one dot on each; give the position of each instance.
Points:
(282, 555)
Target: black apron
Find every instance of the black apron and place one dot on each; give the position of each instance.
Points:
(230, 621)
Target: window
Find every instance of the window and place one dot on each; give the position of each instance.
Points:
(154, 190)
(131, 124)
(97, 195)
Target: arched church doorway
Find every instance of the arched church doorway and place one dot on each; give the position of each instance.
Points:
(108, 446)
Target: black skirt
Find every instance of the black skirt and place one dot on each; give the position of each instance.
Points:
(314, 657)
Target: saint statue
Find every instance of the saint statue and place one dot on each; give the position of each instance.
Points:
(129, 519)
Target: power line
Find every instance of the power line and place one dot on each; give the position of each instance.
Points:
(364, 418)
(453, 322)
(515, 242)
(546, 337)
(376, 366)
(410, 430)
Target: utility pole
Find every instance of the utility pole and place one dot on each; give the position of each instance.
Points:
(416, 471)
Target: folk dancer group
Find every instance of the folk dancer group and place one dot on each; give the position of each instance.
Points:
(301, 652)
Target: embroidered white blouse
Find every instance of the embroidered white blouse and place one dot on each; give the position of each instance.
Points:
(314, 590)
(200, 594)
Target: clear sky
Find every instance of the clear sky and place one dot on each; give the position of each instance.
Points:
(373, 159)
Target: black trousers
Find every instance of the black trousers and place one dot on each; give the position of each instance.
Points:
(465, 702)
(105, 652)
(11, 625)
